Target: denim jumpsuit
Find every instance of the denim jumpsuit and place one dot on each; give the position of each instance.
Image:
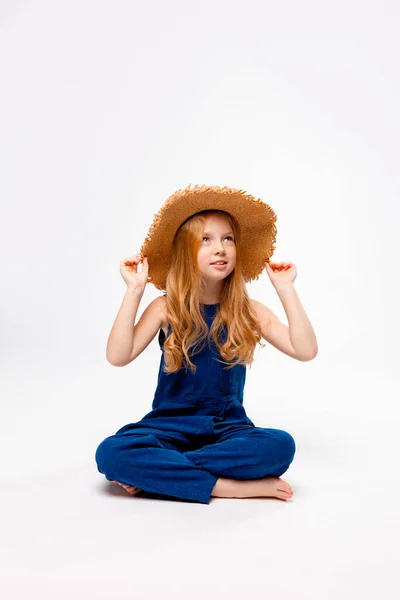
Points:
(196, 432)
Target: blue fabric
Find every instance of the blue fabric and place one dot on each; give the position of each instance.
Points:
(196, 432)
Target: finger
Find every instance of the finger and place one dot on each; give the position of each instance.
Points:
(130, 261)
(134, 257)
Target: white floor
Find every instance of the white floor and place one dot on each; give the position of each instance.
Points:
(68, 533)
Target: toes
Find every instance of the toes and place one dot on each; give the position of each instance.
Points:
(128, 488)
(285, 487)
(131, 489)
(286, 491)
(286, 494)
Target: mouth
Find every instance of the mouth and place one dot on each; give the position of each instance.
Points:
(220, 266)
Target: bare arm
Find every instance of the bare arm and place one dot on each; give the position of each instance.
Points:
(120, 340)
(301, 332)
(280, 336)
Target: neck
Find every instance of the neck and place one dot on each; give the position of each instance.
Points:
(212, 294)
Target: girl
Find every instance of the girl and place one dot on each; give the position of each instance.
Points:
(197, 441)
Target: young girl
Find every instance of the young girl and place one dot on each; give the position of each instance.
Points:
(197, 441)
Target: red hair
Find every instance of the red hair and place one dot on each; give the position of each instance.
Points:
(183, 311)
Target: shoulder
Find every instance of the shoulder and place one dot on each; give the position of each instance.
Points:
(161, 304)
(267, 319)
(161, 301)
(155, 311)
(262, 312)
(273, 330)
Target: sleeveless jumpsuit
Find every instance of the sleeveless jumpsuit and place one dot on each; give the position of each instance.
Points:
(196, 432)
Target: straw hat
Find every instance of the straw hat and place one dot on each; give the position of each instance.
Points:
(255, 217)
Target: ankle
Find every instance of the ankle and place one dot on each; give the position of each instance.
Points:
(225, 488)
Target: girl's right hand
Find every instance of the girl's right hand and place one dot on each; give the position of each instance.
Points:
(129, 272)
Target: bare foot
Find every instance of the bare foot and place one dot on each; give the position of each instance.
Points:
(131, 489)
(275, 487)
(252, 488)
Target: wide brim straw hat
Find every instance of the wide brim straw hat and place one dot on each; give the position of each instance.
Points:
(256, 220)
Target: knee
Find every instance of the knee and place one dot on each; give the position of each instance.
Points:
(105, 455)
(283, 447)
(287, 446)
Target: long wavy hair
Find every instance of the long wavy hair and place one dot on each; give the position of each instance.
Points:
(185, 314)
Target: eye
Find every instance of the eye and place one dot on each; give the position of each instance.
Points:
(226, 237)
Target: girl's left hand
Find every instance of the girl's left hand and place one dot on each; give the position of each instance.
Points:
(281, 274)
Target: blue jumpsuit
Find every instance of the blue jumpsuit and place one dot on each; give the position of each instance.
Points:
(196, 432)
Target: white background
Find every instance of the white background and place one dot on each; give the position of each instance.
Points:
(106, 108)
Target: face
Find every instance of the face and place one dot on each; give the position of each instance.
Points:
(218, 243)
